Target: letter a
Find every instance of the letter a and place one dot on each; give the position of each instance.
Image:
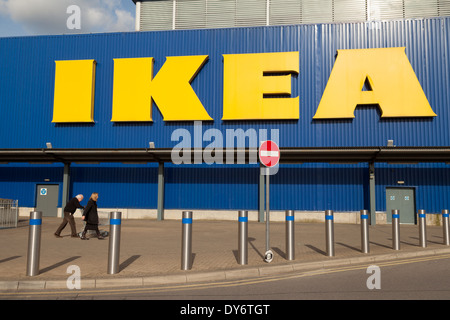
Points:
(74, 20)
(374, 281)
(74, 280)
(390, 80)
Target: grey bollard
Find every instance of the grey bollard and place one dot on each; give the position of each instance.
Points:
(364, 231)
(329, 229)
(290, 235)
(243, 237)
(445, 224)
(34, 243)
(115, 222)
(186, 239)
(396, 229)
(422, 228)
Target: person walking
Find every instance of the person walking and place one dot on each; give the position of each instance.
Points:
(69, 210)
(90, 216)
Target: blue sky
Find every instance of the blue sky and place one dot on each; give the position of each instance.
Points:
(45, 17)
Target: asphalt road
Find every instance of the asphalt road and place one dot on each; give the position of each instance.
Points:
(410, 279)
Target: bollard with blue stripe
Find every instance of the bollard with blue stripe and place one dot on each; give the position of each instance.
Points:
(396, 229)
(115, 223)
(34, 243)
(243, 237)
(329, 230)
(290, 235)
(186, 239)
(364, 231)
(422, 228)
(445, 220)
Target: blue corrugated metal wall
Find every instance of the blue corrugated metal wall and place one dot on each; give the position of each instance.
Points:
(26, 104)
(313, 186)
(18, 181)
(431, 182)
(301, 187)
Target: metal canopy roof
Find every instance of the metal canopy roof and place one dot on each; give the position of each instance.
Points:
(288, 155)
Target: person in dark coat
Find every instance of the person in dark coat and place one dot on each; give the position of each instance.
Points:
(90, 216)
(69, 210)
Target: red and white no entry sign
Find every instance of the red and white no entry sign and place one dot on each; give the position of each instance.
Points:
(269, 153)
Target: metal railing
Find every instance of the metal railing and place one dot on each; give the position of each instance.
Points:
(9, 213)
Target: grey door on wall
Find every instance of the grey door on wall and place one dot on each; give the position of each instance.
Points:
(47, 199)
(402, 199)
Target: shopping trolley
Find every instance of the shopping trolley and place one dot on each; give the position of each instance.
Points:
(103, 220)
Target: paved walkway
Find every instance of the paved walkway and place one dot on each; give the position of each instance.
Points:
(150, 252)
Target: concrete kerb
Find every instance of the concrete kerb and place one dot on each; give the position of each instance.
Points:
(235, 274)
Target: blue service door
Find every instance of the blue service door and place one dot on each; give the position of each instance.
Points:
(402, 199)
(47, 199)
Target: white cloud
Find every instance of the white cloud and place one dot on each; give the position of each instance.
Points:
(50, 16)
(3, 8)
(124, 20)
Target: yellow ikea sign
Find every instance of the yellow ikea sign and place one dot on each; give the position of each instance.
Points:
(251, 87)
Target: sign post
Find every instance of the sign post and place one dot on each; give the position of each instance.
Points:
(269, 156)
